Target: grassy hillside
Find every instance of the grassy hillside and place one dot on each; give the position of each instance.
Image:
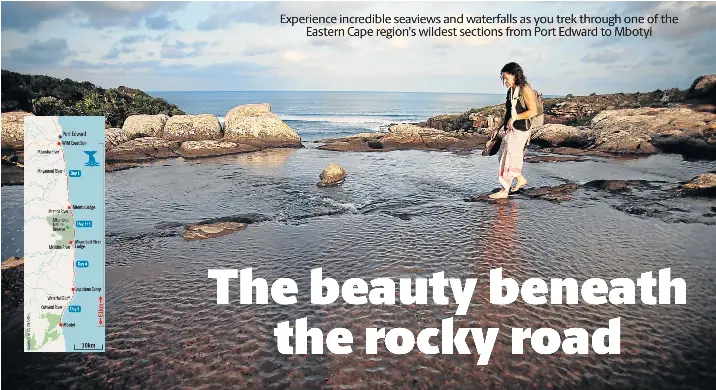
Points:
(44, 95)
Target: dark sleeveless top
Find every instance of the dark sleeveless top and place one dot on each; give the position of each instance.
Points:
(520, 124)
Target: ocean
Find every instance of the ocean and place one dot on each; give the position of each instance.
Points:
(399, 214)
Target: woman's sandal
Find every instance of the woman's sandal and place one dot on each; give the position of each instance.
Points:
(499, 195)
(518, 186)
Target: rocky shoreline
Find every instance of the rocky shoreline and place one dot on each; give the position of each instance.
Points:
(639, 124)
(148, 138)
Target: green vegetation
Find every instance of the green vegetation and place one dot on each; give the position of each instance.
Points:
(45, 95)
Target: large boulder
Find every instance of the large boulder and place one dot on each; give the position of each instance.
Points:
(145, 125)
(13, 129)
(256, 124)
(143, 149)
(332, 175)
(703, 88)
(631, 131)
(192, 128)
(560, 135)
(211, 148)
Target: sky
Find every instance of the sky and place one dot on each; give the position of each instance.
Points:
(243, 46)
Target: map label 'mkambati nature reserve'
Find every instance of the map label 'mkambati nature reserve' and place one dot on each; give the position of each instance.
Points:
(64, 234)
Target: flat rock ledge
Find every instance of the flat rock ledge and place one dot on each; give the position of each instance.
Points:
(211, 230)
(405, 137)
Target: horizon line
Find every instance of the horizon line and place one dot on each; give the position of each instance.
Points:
(350, 91)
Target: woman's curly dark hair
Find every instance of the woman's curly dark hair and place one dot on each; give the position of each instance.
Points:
(515, 69)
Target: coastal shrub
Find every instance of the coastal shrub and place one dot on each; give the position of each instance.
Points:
(51, 106)
(44, 95)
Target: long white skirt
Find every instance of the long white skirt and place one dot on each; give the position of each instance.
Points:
(512, 153)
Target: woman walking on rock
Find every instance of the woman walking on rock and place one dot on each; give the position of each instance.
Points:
(521, 105)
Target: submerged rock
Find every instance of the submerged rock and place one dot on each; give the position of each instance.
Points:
(192, 128)
(616, 185)
(145, 125)
(560, 193)
(332, 175)
(701, 185)
(542, 159)
(13, 129)
(256, 124)
(212, 230)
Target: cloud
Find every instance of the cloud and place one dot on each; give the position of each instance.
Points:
(48, 52)
(130, 39)
(180, 49)
(28, 16)
(660, 62)
(269, 13)
(694, 18)
(293, 56)
(254, 49)
(114, 52)
(160, 22)
(608, 56)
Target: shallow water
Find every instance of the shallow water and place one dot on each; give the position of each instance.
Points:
(399, 214)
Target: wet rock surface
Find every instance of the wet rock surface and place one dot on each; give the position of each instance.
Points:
(332, 175)
(618, 185)
(701, 185)
(641, 198)
(544, 159)
(559, 193)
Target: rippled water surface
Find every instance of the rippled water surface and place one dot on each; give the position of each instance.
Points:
(399, 214)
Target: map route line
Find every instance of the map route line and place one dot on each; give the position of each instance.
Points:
(74, 234)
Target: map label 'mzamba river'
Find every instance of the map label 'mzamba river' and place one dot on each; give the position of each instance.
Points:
(64, 234)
